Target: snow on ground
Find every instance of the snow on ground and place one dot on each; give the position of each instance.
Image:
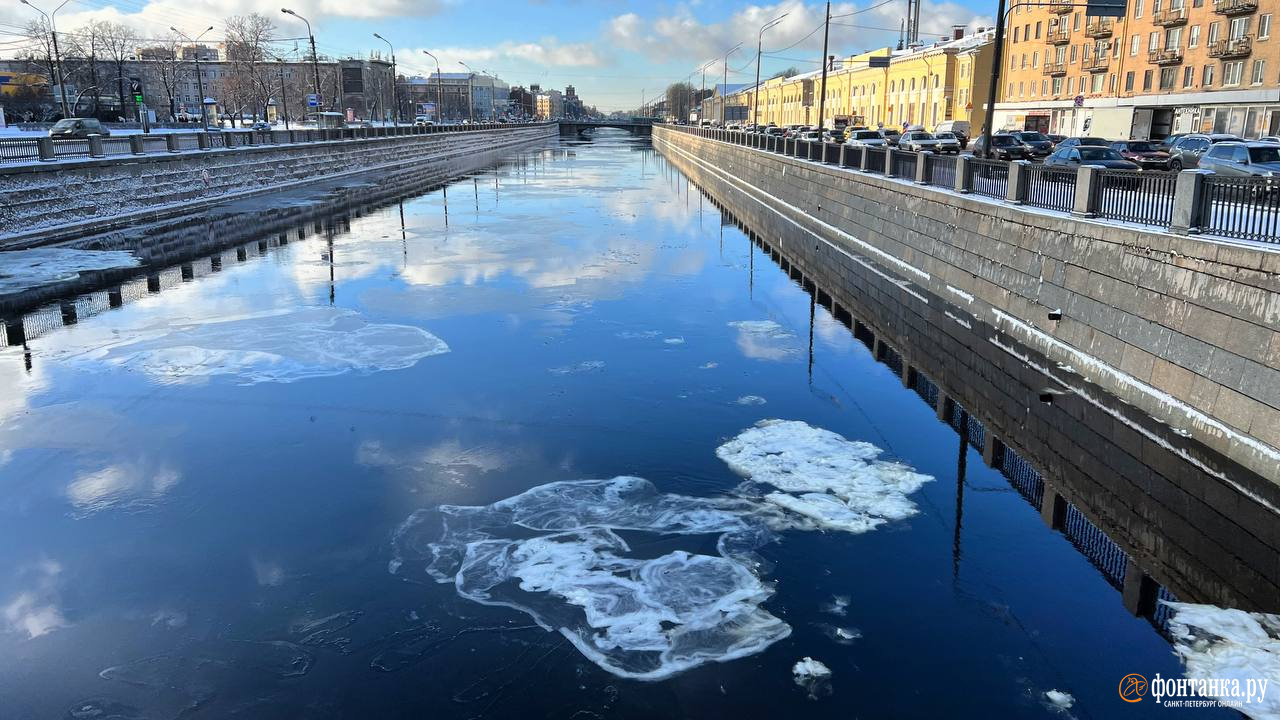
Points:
(645, 619)
(1232, 645)
(25, 269)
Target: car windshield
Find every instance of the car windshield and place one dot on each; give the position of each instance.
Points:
(921, 136)
(1264, 154)
(1032, 136)
(1091, 153)
(66, 123)
(945, 136)
(891, 133)
(1141, 146)
(1093, 141)
(866, 135)
(1000, 140)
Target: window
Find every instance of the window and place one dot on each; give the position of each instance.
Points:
(1153, 42)
(1206, 78)
(1215, 29)
(1015, 34)
(1259, 68)
(1044, 87)
(1024, 61)
(1232, 72)
(1135, 45)
(1026, 31)
(1239, 28)
(1146, 81)
(1075, 22)
(1128, 81)
(1073, 53)
(1097, 83)
(1021, 89)
(1264, 26)
(1193, 37)
(1155, 6)
(1035, 59)
(1173, 38)
(1010, 89)
(1188, 76)
(1038, 24)
(1137, 8)
(1168, 78)
(1069, 85)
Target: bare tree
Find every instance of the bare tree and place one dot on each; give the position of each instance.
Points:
(248, 38)
(119, 42)
(680, 99)
(84, 45)
(163, 62)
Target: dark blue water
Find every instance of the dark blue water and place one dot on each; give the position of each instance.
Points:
(200, 487)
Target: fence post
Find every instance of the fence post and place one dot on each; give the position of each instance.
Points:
(202, 141)
(171, 143)
(843, 155)
(135, 145)
(95, 146)
(888, 161)
(865, 164)
(1190, 202)
(1087, 179)
(922, 167)
(44, 146)
(1019, 177)
(964, 174)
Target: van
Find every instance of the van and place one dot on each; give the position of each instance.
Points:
(959, 128)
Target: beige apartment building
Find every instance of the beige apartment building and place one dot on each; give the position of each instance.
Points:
(1169, 66)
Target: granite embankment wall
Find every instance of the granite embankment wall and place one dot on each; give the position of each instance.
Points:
(50, 203)
(1184, 329)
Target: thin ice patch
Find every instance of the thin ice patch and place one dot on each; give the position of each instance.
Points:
(765, 340)
(837, 483)
(26, 269)
(750, 400)
(813, 676)
(273, 347)
(553, 552)
(1228, 644)
(582, 367)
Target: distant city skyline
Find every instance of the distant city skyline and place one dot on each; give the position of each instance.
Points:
(612, 52)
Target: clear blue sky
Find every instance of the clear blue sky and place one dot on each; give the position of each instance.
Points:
(610, 50)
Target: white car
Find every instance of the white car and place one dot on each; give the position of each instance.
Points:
(865, 138)
(809, 136)
(422, 121)
(917, 140)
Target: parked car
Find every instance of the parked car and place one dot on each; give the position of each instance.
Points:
(1075, 156)
(891, 136)
(866, 138)
(1188, 149)
(1038, 145)
(961, 129)
(1056, 138)
(1078, 141)
(422, 121)
(261, 125)
(948, 142)
(1166, 143)
(1145, 153)
(1004, 146)
(917, 140)
(775, 131)
(78, 128)
(1269, 139)
(1244, 159)
(809, 136)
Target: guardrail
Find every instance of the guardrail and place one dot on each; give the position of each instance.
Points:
(1192, 201)
(46, 149)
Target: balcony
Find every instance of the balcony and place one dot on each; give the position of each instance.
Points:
(1170, 17)
(1099, 28)
(1061, 7)
(1231, 48)
(1168, 56)
(1096, 64)
(1054, 69)
(1235, 7)
(1058, 37)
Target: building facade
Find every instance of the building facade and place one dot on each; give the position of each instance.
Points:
(1168, 66)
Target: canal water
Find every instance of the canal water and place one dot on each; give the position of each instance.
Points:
(555, 440)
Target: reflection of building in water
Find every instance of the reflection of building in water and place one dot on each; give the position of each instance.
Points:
(1129, 493)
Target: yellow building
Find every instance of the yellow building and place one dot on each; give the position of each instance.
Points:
(926, 85)
(1168, 66)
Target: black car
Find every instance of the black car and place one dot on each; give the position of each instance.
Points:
(1004, 146)
(1078, 141)
(1038, 145)
(1075, 156)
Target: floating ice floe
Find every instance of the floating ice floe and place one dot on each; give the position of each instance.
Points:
(1059, 699)
(1229, 644)
(709, 366)
(839, 605)
(554, 553)
(26, 269)
(674, 340)
(279, 346)
(765, 340)
(813, 676)
(582, 367)
(750, 400)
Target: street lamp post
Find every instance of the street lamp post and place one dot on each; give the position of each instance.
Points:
(755, 92)
(724, 98)
(395, 99)
(284, 94)
(57, 56)
(471, 101)
(315, 62)
(204, 118)
(439, 88)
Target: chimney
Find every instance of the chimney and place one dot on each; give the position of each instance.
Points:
(957, 32)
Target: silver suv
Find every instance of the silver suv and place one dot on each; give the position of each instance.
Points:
(1188, 149)
(1243, 159)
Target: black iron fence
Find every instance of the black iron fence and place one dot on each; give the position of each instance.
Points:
(1247, 208)
(1049, 187)
(874, 159)
(904, 164)
(43, 149)
(1136, 196)
(940, 170)
(990, 177)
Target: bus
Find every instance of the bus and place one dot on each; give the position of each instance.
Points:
(327, 120)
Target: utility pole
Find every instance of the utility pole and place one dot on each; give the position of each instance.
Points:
(724, 97)
(822, 98)
(996, 62)
(284, 94)
(57, 56)
(395, 100)
(315, 62)
(439, 89)
(755, 92)
(204, 119)
(471, 102)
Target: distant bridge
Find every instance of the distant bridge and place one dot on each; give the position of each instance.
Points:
(635, 126)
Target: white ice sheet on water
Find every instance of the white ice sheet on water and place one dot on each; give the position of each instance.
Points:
(278, 346)
(25, 269)
(1230, 645)
(554, 553)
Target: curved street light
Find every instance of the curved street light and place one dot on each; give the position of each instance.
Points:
(755, 92)
(395, 99)
(57, 56)
(471, 103)
(439, 87)
(204, 116)
(315, 63)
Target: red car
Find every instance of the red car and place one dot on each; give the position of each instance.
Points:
(1144, 153)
